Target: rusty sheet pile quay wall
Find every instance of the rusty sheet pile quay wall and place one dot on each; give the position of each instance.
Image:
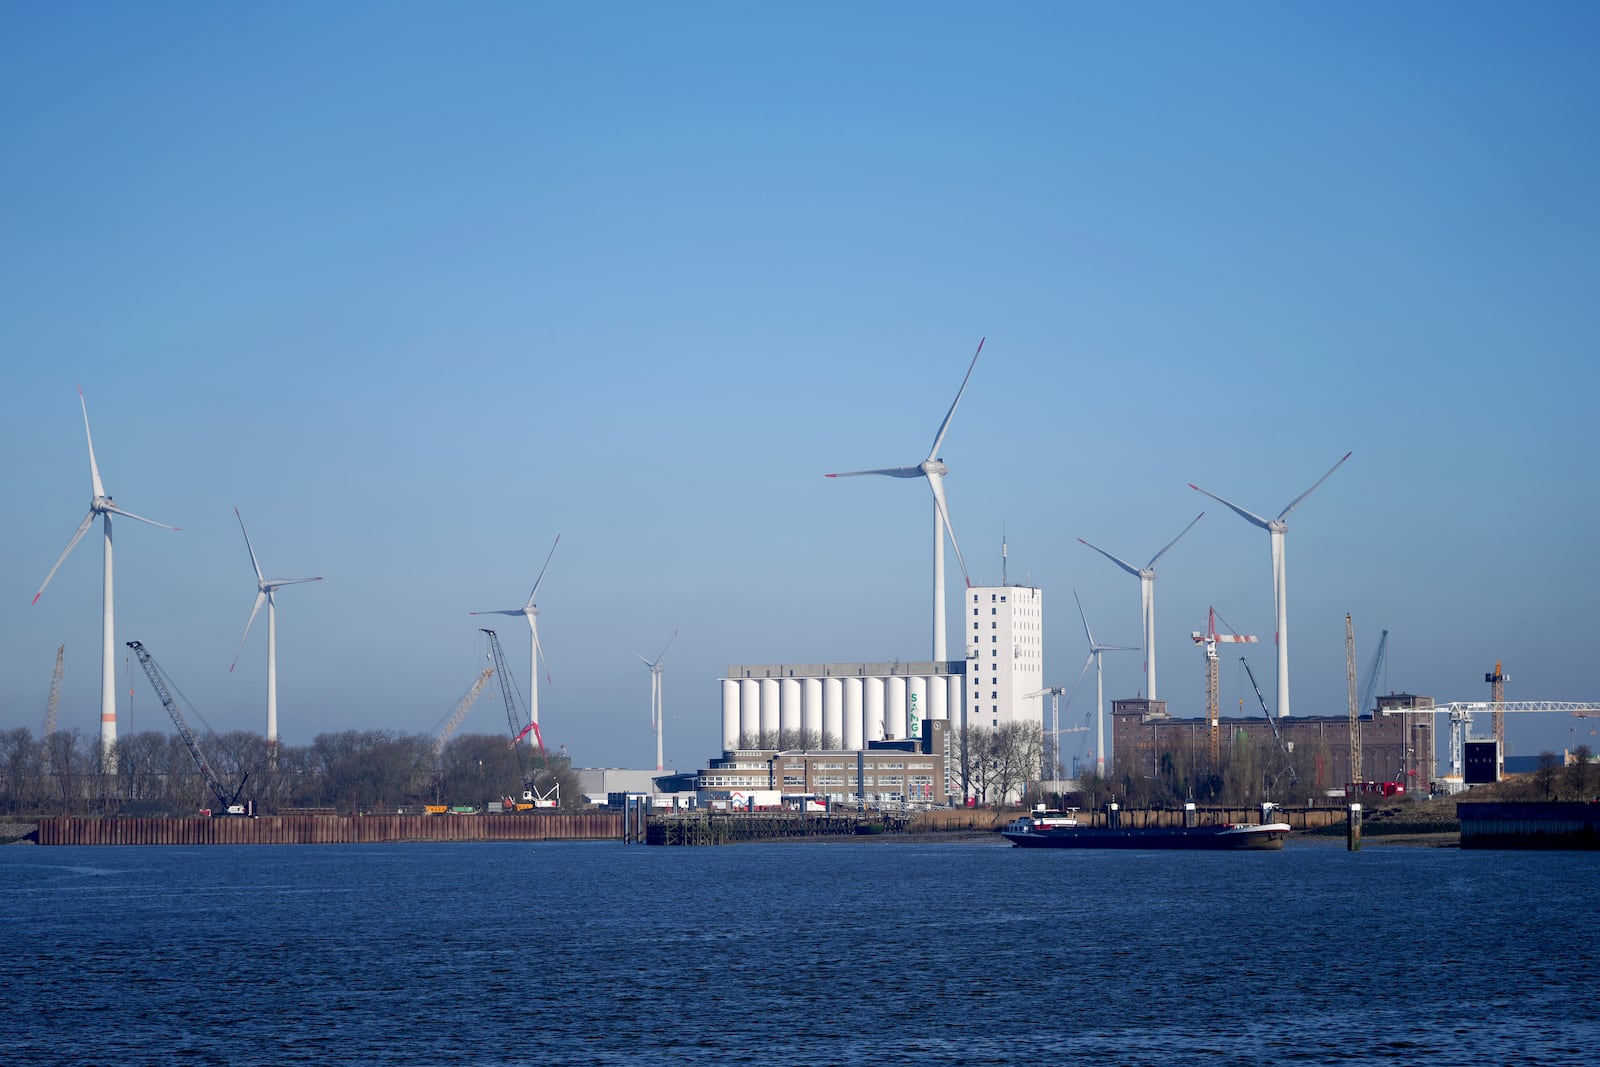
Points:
(330, 830)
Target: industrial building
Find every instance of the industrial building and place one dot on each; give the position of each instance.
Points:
(850, 705)
(1005, 654)
(1393, 747)
(899, 771)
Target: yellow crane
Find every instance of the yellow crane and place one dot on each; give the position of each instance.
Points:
(1210, 639)
(1497, 695)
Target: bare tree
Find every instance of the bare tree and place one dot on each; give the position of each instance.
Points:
(1544, 776)
(1578, 773)
(1018, 749)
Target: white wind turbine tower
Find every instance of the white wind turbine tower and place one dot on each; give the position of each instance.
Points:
(1095, 649)
(1277, 528)
(1147, 601)
(530, 611)
(934, 470)
(656, 711)
(104, 506)
(265, 588)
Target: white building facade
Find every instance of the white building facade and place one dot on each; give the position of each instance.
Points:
(1004, 627)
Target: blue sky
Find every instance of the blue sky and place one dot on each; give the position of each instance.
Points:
(418, 287)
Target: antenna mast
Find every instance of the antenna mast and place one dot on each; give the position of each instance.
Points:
(1002, 554)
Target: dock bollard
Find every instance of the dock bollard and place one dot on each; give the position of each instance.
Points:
(1353, 829)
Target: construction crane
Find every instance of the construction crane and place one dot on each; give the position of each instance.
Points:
(1461, 712)
(461, 712)
(519, 729)
(227, 805)
(1288, 759)
(1497, 695)
(1370, 688)
(1213, 713)
(1056, 692)
(1350, 688)
(54, 701)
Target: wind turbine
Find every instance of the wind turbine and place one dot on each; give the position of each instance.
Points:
(105, 507)
(264, 589)
(1277, 528)
(1095, 649)
(655, 695)
(1147, 601)
(530, 611)
(934, 470)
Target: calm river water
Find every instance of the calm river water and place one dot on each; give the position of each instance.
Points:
(876, 952)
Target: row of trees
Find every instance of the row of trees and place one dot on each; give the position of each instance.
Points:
(1577, 780)
(999, 764)
(371, 770)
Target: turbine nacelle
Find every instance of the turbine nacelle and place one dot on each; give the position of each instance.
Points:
(934, 467)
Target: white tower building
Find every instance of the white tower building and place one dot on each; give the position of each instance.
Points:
(1005, 654)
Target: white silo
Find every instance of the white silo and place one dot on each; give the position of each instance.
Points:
(730, 714)
(953, 703)
(789, 707)
(749, 711)
(832, 712)
(854, 728)
(811, 708)
(916, 705)
(938, 698)
(894, 707)
(872, 711)
(769, 712)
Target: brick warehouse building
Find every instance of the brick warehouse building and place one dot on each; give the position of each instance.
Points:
(900, 771)
(1394, 748)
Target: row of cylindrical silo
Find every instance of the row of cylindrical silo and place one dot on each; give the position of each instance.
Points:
(850, 710)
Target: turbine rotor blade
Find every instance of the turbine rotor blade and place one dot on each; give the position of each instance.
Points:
(1248, 516)
(515, 611)
(279, 583)
(936, 483)
(130, 515)
(666, 646)
(538, 649)
(1085, 618)
(1086, 665)
(255, 609)
(892, 472)
(1130, 568)
(944, 427)
(83, 528)
(94, 468)
(537, 581)
(249, 547)
(1175, 540)
(1296, 501)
